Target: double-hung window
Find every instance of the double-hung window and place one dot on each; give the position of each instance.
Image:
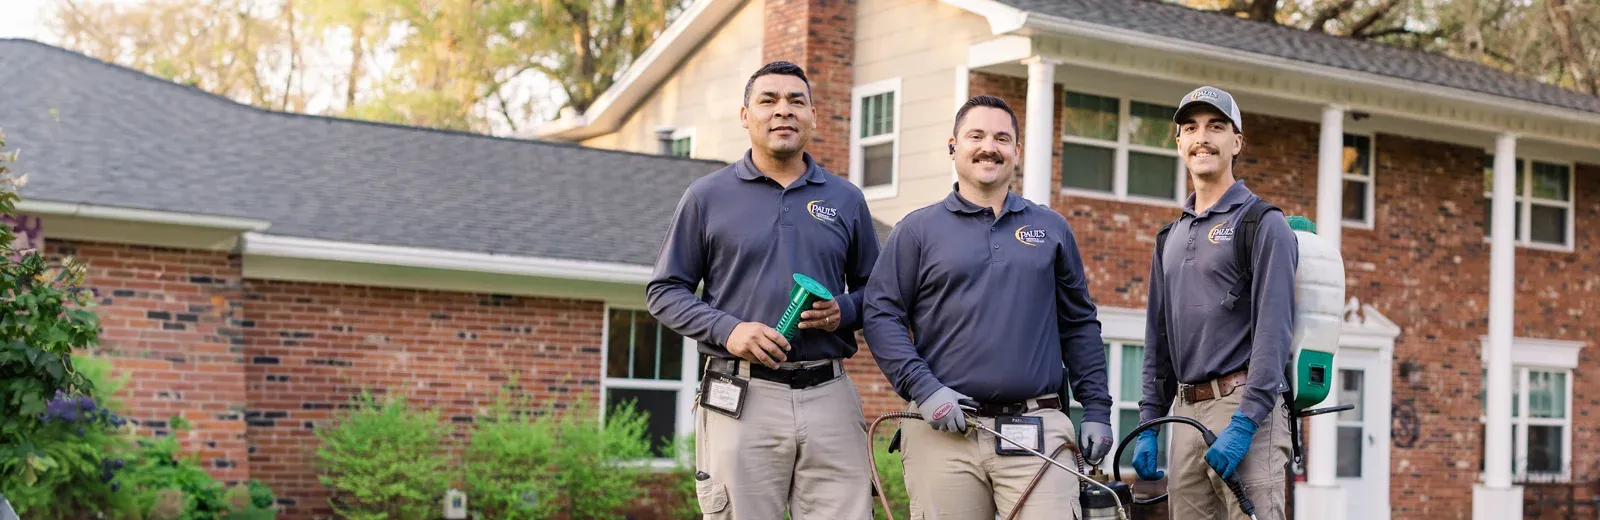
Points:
(1541, 408)
(1357, 165)
(1124, 376)
(875, 138)
(1544, 203)
(1120, 149)
(644, 365)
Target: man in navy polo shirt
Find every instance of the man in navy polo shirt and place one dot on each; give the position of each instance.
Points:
(779, 425)
(993, 288)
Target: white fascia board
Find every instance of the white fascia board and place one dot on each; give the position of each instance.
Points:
(1180, 46)
(1002, 18)
(1001, 49)
(83, 210)
(654, 65)
(318, 249)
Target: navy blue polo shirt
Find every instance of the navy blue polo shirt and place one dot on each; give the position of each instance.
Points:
(1204, 340)
(744, 236)
(988, 307)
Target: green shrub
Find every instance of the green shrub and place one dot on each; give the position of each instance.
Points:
(509, 462)
(599, 472)
(384, 460)
(83, 440)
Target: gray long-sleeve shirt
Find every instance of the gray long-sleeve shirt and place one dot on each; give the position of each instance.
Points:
(744, 236)
(1204, 340)
(995, 306)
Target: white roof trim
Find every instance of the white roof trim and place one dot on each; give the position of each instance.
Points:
(1005, 19)
(317, 249)
(654, 65)
(1538, 353)
(78, 209)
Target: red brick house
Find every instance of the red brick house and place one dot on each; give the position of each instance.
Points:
(1392, 152)
(259, 268)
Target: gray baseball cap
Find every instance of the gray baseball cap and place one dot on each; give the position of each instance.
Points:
(1216, 97)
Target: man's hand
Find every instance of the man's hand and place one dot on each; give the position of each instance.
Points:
(1095, 440)
(1232, 445)
(825, 316)
(758, 343)
(943, 412)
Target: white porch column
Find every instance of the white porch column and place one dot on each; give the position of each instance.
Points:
(1495, 497)
(1038, 138)
(1321, 497)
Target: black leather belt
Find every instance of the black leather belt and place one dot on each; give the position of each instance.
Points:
(796, 378)
(989, 409)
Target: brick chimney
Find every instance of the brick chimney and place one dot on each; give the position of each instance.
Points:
(820, 37)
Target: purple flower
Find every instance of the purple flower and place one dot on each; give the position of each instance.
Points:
(85, 403)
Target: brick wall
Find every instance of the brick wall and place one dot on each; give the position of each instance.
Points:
(312, 347)
(169, 317)
(819, 36)
(1425, 265)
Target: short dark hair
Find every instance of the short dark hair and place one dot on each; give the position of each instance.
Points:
(780, 67)
(984, 100)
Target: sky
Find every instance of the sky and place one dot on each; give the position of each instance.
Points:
(23, 18)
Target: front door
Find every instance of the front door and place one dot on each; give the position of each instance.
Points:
(1363, 434)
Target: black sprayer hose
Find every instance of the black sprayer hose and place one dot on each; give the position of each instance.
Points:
(1233, 483)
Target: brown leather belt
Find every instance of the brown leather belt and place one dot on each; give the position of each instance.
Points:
(1219, 387)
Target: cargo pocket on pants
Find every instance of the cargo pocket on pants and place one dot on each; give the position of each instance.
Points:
(713, 496)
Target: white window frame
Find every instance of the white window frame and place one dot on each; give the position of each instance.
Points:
(1119, 156)
(1538, 355)
(1371, 180)
(687, 383)
(1120, 327)
(687, 133)
(1525, 203)
(858, 145)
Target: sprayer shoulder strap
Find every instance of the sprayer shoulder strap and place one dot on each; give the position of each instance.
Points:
(1244, 237)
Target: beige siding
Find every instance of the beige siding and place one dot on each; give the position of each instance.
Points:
(923, 43)
(704, 94)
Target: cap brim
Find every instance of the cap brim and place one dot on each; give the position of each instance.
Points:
(1178, 116)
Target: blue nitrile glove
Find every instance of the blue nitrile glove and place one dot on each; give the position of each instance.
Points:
(1225, 454)
(942, 411)
(1144, 456)
(1095, 440)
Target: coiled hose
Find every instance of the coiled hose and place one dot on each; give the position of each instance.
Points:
(1233, 483)
(883, 497)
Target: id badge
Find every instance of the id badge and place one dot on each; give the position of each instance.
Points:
(723, 394)
(1023, 429)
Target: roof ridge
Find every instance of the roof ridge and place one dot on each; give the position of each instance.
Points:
(142, 75)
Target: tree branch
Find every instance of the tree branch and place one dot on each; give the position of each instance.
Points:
(1361, 26)
(1399, 30)
(1327, 14)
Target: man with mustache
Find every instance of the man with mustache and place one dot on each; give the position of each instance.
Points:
(779, 426)
(994, 289)
(1219, 328)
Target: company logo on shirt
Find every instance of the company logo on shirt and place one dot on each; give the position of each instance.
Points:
(820, 212)
(1030, 237)
(1218, 234)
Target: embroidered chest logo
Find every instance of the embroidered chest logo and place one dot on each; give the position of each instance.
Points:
(822, 213)
(1219, 234)
(1030, 237)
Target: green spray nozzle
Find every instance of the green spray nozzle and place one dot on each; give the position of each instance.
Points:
(805, 293)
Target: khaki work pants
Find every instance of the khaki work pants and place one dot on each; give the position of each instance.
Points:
(801, 450)
(1194, 490)
(954, 476)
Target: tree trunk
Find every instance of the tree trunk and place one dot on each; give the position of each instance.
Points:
(358, 31)
(1571, 45)
(1264, 10)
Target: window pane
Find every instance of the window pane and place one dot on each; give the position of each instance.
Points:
(1550, 181)
(1355, 200)
(1549, 225)
(1132, 375)
(1357, 155)
(1152, 175)
(1151, 125)
(644, 346)
(680, 147)
(618, 339)
(1544, 449)
(671, 354)
(1488, 175)
(877, 114)
(877, 166)
(1352, 390)
(1547, 395)
(660, 405)
(1349, 451)
(1086, 167)
(1516, 223)
(1091, 116)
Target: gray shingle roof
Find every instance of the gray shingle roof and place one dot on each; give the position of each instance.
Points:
(1175, 21)
(101, 134)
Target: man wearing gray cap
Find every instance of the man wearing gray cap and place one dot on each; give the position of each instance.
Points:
(1218, 326)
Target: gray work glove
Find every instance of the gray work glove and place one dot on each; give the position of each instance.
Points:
(942, 411)
(1095, 440)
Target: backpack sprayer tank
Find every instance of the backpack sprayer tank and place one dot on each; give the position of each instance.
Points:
(1318, 314)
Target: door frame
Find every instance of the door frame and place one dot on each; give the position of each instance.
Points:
(1366, 341)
